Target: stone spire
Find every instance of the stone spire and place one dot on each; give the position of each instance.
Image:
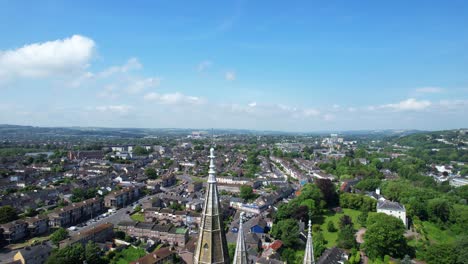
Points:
(240, 256)
(211, 245)
(309, 251)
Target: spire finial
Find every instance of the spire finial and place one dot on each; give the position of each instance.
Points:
(240, 255)
(309, 251)
(211, 171)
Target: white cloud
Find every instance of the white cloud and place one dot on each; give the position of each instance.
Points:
(120, 109)
(109, 92)
(311, 112)
(352, 109)
(173, 98)
(253, 104)
(131, 64)
(230, 75)
(408, 105)
(328, 117)
(429, 90)
(142, 84)
(202, 66)
(58, 57)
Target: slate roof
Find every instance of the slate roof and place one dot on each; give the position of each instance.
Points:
(389, 205)
(29, 253)
(332, 256)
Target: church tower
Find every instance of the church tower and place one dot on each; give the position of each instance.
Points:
(309, 251)
(240, 256)
(212, 244)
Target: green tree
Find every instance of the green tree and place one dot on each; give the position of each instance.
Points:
(92, 254)
(231, 250)
(246, 192)
(346, 237)
(319, 244)
(7, 214)
(140, 151)
(368, 184)
(439, 209)
(331, 227)
(69, 255)
(287, 231)
(441, 254)
(151, 173)
(59, 235)
(384, 236)
(362, 218)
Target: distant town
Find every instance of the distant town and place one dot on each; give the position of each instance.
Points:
(92, 195)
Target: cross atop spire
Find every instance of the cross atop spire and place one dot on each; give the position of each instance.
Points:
(309, 251)
(240, 256)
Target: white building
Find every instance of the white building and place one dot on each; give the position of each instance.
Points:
(394, 209)
(457, 182)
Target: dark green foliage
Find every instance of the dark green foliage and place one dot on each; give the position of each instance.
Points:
(328, 190)
(362, 218)
(252, 165)
(351, 166)
(384, 236)
(331, 227)
(358, 202)
(140, 151)
(79, 194)
(246, 192)
(438, 210)
(319, 244)
(346, 220)
(74, 254)
(151, 173)
(231, 250)
(441, 254)
(7, 214)
(309, 201)
(368, 184)
(346, 238)
(287, 231)
(59, 235)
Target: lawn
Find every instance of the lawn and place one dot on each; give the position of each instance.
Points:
(140, 217)
(129, 254)
(335, 217)
(435, 234)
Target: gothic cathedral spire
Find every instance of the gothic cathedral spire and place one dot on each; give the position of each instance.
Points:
(309, 251)
(211, 245)
(240, 256)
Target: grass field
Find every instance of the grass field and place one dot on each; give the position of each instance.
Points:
(435, 234)
(335, 217)
(129, 254)
(138, 217)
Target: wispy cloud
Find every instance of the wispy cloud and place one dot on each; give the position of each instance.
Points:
(173, 98)
(131, 64)
(140, 85)
(230, 75)
(410, 104)
(429, 90)
(204, 65)
(120, 109)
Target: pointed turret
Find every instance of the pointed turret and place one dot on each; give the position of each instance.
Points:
(309, 251)
(240, 256)
(211, 245)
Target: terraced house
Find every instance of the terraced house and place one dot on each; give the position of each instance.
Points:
(76, 212)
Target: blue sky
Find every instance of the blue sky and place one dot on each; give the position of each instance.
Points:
(301, 66)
